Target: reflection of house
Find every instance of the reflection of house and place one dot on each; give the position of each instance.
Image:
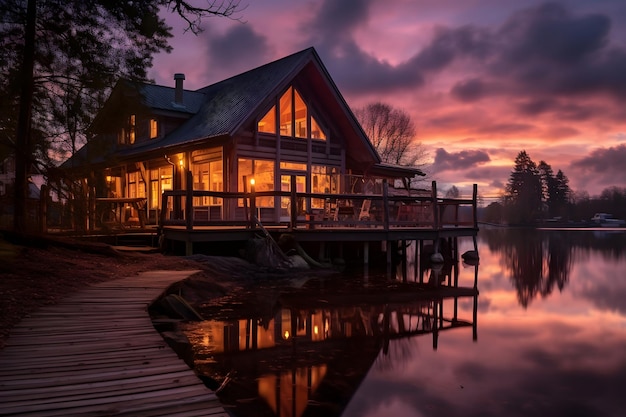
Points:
(283, 120)
(312, 354)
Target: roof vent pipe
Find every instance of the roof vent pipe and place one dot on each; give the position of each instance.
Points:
(178, 93)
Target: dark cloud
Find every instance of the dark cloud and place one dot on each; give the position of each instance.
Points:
(551, 34)
(445, 161)
(355, 71)
(547, 51)
(239, 49)
(563, 109)
(448, 44)
(539, 52)
(335, 20)
(469, 90)
(603, 168)
(534, 107)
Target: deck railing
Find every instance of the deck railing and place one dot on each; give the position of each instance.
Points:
(241, 209)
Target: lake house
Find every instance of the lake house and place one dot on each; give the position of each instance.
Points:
(275, 148)
(283, 120)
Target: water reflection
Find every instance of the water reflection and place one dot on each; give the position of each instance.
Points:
(552, 336)
(540, 262)
(312, 353)
(536, 263)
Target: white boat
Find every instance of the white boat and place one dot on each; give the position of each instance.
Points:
(607, 220)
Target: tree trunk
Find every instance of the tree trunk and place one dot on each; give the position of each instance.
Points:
(23, 152)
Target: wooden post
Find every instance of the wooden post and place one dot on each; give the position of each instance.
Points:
(293, 205)
(246, 212)
(189, 201)
(91, 209)
(253, 218)
(163, 213)
(385, 205)
(475, 204)
(435, 206)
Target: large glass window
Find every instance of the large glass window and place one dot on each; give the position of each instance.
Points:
(324, 180)
(208, 176)
(295, 119)
(136, 187)
(263, 173)
(155, 194)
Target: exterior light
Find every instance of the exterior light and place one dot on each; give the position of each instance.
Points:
(180, 162)
(252, 181)
(286, 335)
(108, 178)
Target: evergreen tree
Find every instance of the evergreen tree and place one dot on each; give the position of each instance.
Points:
(523, 195)
(552, 200)
(562, 193)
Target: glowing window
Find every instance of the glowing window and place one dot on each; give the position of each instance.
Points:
(131, 129)
(286, 115)
(294, 166)
(294, 118)
(154, 128)
(316, 131)
(300, 116)
(268, 123)
(263, 173)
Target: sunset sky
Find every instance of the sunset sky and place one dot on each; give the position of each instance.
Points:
(481, 79)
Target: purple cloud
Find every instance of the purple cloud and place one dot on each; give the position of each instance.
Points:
(604, 166)
(445, 161)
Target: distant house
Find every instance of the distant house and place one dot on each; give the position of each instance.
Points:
(283, 120)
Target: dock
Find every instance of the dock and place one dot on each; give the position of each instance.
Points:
(96, 353)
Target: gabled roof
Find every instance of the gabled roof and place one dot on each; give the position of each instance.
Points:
(218, 111)
(231, 102)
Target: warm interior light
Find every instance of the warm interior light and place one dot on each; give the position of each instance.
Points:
(252, 181)
(108, 178)
(286, 335)
(316, 329)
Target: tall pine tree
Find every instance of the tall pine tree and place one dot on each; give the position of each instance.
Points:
(523, 196)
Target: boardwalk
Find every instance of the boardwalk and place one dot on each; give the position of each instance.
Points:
(97, 354)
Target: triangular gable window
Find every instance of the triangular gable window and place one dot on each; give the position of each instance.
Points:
(316, 131)
(268, 123)
(295, 120)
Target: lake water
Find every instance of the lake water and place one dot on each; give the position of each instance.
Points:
(546, 336)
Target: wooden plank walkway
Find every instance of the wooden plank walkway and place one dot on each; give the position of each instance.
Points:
(96, 353)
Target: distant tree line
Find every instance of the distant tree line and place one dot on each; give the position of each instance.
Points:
(535, 194)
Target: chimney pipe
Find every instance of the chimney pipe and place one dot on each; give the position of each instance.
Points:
(178, 93)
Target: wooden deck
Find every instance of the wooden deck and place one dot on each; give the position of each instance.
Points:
(96, 353)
